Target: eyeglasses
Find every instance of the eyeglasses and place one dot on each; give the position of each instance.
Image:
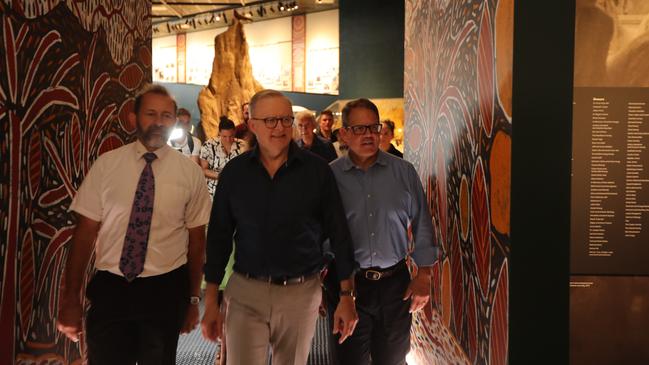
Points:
(271, 122)
(361, 129)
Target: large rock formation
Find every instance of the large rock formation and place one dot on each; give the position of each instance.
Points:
(231, 83)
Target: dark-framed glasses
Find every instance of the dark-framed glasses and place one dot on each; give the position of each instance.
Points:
(361, 129)
(271, 122)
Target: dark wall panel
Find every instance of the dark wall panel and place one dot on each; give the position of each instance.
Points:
(371, 48)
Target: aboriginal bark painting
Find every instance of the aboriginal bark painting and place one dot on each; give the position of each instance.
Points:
(458, 64)
(69, 74)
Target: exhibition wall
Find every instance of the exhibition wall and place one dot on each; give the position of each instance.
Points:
(458, 134)
(271, 44)
(70, 71)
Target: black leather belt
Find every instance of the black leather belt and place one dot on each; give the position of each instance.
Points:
(281, 280)
(375, 274)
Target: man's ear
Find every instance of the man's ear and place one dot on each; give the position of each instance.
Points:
(252, 126)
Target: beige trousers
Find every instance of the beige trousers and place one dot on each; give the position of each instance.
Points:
(261, 314)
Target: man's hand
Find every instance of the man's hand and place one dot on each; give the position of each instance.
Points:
(69, 319)
(419, 290)
(191, 319)
(345, 318)
(70, 316)
(212, 323)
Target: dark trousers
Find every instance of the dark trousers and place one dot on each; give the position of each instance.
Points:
(138, 321)
(382, 335)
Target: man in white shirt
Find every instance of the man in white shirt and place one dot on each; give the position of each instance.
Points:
(146, 207)
(184, 142)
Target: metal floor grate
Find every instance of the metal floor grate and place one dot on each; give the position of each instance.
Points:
(193, 349)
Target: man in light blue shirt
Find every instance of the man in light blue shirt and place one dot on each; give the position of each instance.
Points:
(383, 199)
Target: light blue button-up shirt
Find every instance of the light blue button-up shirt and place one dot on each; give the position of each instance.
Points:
(380, 203)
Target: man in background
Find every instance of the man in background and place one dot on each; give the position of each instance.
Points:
(305, 122)
(326, 120)
(242, 130)
(182, 140)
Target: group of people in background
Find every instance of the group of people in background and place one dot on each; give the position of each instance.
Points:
(279, 209)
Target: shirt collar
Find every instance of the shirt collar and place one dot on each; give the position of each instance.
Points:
(140, 150)
(381, 159)
(294, 153)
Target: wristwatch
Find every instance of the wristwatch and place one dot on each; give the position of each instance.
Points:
(194, 300)
(348, 293)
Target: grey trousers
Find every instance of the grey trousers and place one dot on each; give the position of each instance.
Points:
(261, 315)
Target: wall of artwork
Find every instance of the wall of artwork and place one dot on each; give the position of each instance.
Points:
(70, 71)
(457, 91)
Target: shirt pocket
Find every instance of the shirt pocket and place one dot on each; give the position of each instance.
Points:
(170, 203)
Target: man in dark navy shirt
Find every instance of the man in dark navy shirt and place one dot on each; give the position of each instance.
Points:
(279, 203)
(305, 122)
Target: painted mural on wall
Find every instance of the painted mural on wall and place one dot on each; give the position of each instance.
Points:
(458, 134)
(70, 71)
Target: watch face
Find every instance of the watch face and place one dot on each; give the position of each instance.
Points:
(194, 300)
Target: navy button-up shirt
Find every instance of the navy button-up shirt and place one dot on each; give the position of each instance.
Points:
(321, 147)
(278, 224)
(380, 204)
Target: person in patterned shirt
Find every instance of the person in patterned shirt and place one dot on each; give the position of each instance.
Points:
(218, 151)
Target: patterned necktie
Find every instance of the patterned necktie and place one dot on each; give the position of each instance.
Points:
(137, 234)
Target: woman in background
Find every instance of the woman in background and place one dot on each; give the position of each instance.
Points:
(218, 151)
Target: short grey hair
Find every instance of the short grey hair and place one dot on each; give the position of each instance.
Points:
(265, 94)
(305, 114)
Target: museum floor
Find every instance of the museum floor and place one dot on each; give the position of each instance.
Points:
(193, 349)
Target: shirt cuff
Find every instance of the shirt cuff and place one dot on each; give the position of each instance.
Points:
(213, 275)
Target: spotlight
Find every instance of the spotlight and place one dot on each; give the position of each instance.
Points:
(218, 18)
(249, 14)
(281, 7)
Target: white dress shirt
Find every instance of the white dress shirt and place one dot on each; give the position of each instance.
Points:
(181, 202)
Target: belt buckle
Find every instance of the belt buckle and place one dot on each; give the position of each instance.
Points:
(372, 275)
